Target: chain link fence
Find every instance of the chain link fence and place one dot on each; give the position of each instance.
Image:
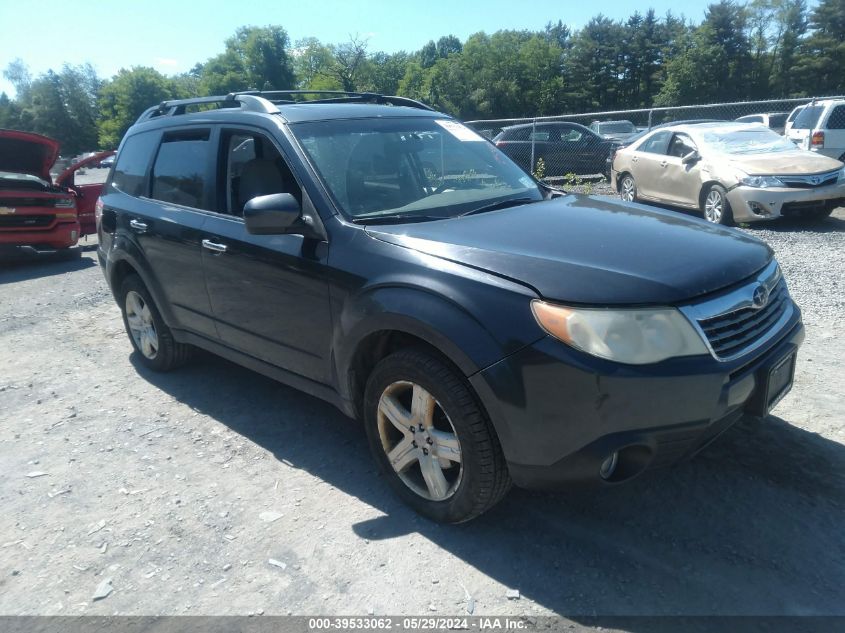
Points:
(577, 147)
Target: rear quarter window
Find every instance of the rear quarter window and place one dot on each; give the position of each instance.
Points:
(130, 169)
(836, 121)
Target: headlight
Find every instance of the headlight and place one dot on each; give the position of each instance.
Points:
(761, 181)
(65, 203)
(635, 337)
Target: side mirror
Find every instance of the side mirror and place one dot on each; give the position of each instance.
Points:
(692, 157)
(274, 214)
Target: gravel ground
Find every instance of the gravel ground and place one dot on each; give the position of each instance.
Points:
(214, 490)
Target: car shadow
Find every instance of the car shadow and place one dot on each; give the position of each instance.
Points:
(753, 525)
(22, 267)
(830, 224)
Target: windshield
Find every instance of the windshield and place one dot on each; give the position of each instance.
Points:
(616, 127)
(747, 142)
(407, 167)
(808, 118)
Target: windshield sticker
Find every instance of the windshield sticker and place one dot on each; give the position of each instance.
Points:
(460, 132)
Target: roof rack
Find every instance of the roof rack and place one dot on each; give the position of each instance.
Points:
(246, 101)
(332, 96)
(266, 101)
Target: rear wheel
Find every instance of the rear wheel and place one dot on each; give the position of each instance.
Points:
(147, 331)
(628, 188)
(716, 207)
(431, 438)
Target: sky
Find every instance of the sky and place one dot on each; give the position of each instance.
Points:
(172, 35)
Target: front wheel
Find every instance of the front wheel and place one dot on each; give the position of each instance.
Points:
(716, 207)
(431, 438)
(628, 188)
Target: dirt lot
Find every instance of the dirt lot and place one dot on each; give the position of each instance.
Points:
(181, 488)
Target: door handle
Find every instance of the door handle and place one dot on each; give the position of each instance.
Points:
(214, 246)
(663, 163)
(634, 159)
(138, 226)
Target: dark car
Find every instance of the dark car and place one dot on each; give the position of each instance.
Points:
(563, 147)
(614, 130)
(485, 329)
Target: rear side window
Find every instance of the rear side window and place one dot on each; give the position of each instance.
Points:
(836, 121)
(808, 118)
(132, 163)
(180, 173)
(794, 114)
(656, 144)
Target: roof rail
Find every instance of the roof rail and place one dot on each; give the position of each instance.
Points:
(246, 101)
(333, 96)
(266, 101)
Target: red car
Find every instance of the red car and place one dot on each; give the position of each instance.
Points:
(35, 212)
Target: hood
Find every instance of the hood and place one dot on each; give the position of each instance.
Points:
(27, 153)
(584, 250)
(789, 163)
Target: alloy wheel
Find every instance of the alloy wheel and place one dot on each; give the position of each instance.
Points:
(629, 189)
(713, 205)
(141, 324)
(419, 440)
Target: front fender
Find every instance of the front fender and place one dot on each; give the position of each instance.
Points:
(471, 342)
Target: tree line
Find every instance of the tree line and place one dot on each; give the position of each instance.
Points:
(739, 51)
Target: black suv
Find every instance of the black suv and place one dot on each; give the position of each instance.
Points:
(485, 328)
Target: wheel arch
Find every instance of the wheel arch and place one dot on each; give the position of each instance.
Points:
(121, 264)
(705, 189)
(387, 319)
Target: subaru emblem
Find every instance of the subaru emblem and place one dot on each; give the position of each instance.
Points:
(760, 297)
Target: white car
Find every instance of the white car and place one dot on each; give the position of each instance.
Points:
(820, 127)
(791, 119)
(775, 121)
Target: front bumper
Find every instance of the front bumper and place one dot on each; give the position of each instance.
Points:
(61, 235)
(750, 204)
(560, 413)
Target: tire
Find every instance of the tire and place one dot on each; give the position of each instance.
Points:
(628, 188)
(715, 206)
(148, 332)
(457, 441)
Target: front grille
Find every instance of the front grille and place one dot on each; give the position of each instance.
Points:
(799, 208)
(805, 182)
(28, 202)
(731, 333)
(25, 221)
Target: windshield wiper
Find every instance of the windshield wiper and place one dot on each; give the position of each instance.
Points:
(502, 204)
(396, 218)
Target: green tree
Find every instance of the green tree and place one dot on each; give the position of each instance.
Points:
(125, 97)
(255, 58)
(821, 56)
(715, 62)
